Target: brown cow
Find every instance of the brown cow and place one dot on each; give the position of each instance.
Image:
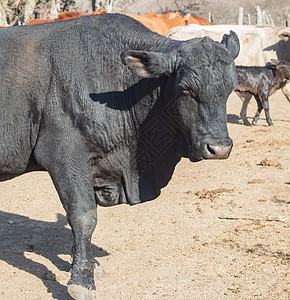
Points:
(65, 15)
(159, 23)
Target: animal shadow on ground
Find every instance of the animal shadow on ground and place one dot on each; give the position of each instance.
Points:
(20, 234)
(235, 119)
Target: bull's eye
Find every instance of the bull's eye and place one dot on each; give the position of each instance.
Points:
(187, 90)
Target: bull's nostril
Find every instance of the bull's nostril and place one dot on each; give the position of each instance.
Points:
(210, 149)
(218, 151)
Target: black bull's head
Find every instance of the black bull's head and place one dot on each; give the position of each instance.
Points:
(200, 76)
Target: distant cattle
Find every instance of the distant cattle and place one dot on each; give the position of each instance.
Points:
(159, 23)
(258, 44)
(109, 108)
(260, 82)
(65, 16)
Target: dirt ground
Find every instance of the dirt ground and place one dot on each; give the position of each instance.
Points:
(219, 230)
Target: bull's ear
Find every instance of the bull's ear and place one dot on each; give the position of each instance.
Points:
(146, 64)
(232, 43)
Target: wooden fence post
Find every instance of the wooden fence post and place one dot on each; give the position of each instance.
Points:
(241, 13)
(271, 20)
(288, 21)
(259, 16)
(209, 17)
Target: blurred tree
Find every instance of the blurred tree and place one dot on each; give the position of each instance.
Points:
(105, 4)
(182, 6)
(17, 12)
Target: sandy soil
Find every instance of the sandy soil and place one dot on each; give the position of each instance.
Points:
(220, 229)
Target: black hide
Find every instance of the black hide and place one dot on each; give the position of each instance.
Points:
(71, 106)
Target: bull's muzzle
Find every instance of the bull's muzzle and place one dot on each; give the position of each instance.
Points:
(218, 151)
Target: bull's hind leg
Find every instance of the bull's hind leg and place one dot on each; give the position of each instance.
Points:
(246, 97)
(69, 169)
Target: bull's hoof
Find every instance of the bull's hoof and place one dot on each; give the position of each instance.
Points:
(78, 292)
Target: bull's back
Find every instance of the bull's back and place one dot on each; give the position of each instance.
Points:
(48, 68)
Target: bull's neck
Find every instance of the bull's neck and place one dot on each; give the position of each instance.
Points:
(146, 99)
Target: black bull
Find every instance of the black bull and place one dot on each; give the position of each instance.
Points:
(108, 108)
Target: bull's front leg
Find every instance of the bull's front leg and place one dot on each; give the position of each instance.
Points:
(82, 219)
(69, 169)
